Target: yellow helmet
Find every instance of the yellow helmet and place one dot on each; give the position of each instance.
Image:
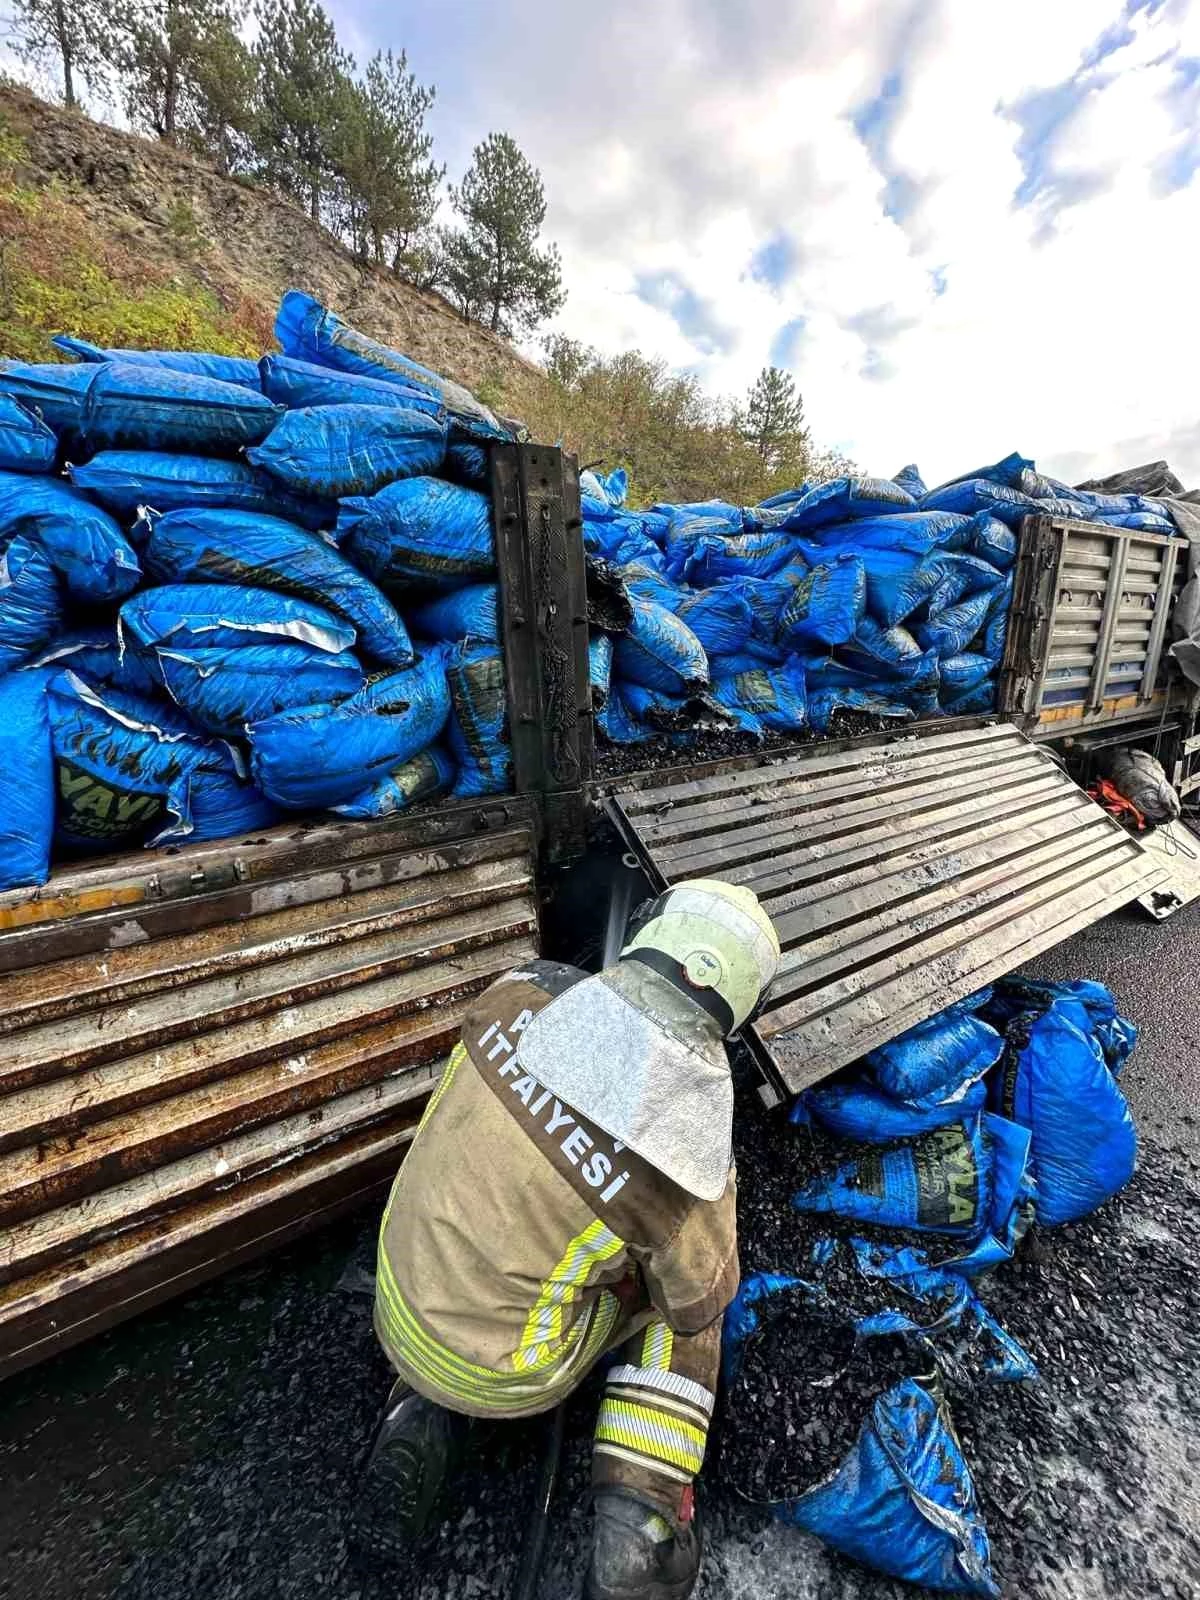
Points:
(714, 940)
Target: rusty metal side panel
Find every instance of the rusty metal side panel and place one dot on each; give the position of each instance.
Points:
(902, 872)
(189, 1078)
(1087, 628)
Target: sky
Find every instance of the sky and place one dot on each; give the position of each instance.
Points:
(965, 226)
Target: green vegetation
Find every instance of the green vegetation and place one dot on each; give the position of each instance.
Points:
(294, 112)
(494, 268)
(58, 276)
(677, 442)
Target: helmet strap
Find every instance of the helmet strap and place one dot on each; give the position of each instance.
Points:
(709, 1001)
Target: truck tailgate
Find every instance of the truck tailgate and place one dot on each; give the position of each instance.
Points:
(902, 872)
(205, 1051)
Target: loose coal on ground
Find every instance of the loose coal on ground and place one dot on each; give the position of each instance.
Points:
(211, 1447)
(717, 744)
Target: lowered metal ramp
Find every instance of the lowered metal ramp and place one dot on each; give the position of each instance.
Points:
(902, 872)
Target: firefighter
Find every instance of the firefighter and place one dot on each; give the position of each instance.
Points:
(570, 1194)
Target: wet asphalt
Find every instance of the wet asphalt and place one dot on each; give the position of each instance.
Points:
(210, 1448)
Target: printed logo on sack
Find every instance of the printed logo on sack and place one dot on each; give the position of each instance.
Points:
(91, 808)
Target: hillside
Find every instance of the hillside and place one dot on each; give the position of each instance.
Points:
(99, 226)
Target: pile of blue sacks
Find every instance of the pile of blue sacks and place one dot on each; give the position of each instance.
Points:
(857, 595)
(232, 589)
(1001, 1111)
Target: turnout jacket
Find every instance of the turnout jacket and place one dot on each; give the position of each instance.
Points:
(520, 1241)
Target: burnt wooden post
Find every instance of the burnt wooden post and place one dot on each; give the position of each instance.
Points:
(543, 611)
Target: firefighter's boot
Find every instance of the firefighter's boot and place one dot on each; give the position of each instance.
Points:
(637, 1554)
(416, 1448)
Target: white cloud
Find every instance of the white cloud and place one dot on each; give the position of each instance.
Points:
(982, 216)
(686, 136)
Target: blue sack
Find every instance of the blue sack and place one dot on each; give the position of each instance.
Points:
(995, 632)
(648, 582)
(668, 713)
(611, 490)
(427, 776)
(883, 652)
(467, 463)
(82, 542)
(298, 384)
(917, 533)
(224, 689)
(1054, 1080)
(826, 607)
(659, 651)
(31, 610)
(420, 533)
(154, 408)
(720, 618)
(240, 370)
(991, 541)
(619, 543)
(477, 732)
(980, 494)
(96, 656)
(130, 771)
(219, 616)
(938, 1056)
(972, 702)
(321, 755)
(304, 328)
(910, 480)
(843, 500)
(126, 481)
(244, 547)
(618, 724)
(943, 1182)
(26, 780)
(714, 557)
(472, 612)
(962, 672)
(1014, 472)
(225, 805)
(740, 661)
(51, 391)
(768, 697)
(687, 525)
(862, 1111)
(899, 582)
(26, 443)
(823, 703)
(1143, 521)
(903, 1501)
(600, 657)
(950, 629)
(328, 452)
(1116, 1034)
(950, 1297)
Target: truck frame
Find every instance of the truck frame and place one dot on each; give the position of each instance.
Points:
(206, 1050)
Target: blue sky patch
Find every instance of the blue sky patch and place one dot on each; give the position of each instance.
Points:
(696, 318)
(785, 346)
(774, 262)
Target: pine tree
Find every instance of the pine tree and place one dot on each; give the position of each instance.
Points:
(306, 89)
(383, 157)
(494, 266)
(188, 77)
(79, 36)
(773, 421)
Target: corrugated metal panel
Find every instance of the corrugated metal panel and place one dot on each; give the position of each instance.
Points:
(205, 1051)
(1091, 605)
(901, 872)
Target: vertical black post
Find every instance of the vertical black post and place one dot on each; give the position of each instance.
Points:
(543, 606)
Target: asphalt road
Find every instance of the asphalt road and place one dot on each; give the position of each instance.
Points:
(210, 1448)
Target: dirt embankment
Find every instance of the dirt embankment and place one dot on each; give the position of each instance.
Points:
(241, 241)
